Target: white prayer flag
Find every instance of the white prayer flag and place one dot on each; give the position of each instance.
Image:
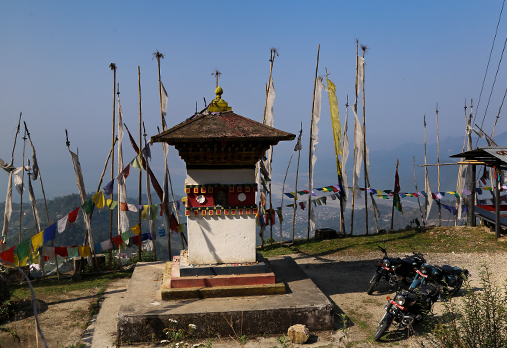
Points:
(314, 140)
(62, 223)
(165, 98)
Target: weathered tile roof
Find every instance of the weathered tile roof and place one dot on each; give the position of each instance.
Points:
(224, 126)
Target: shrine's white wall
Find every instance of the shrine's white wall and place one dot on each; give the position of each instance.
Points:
(221, 239)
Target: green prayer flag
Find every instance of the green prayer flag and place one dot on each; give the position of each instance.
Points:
(397, 202)
(88, 206)
(153, 211)
(279, 213)
(125, 236)
(23, 249)
(73, 251)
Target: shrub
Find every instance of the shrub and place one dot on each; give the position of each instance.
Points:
(479, 319)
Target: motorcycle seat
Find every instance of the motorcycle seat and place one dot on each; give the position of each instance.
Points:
(447, 269)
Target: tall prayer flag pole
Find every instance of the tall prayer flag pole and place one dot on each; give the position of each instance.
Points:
(355, 112)
(310, 183)
(148, 188)
(22, 186)
(300, 147)
(167, 217)
(113, 67)
(139, 248)
(438, 167)
(296, 148)
(418, 201)
(363, 47)
(268, 105)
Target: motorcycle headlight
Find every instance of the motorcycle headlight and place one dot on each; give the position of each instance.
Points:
(386, 262)
(399, 299)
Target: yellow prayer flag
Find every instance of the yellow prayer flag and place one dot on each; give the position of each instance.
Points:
(111, 204)
(146, 211)
(37, 241)
(84, 251)
(335, 120)
(35, 257)
(16, 260)
(23, 262)
(98, 199)
(181, 228)
(136, 229)
(184, 199)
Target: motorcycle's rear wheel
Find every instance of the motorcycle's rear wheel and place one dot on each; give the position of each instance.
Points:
(383, 326)
(373, 282)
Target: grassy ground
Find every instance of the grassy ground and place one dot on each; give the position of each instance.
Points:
(426, 240)
(65, 309)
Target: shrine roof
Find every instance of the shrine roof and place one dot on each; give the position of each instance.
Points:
(221, 126)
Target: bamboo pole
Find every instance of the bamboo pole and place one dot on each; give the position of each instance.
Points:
(40, 175)
(285, 178)
(469, 169)
(355, 109)
(113, 68)
(392, 211)
(296, 188)
(418, 201)
(148, 193)
(310, 184)
(425, 198)
(167, 216)
(458, 200)
(139, 249)
(283, 192)
(120, 169)
(364, 153)
(438, 167)
(273, 54)
(22, 187)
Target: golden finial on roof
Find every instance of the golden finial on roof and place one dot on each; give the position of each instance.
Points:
(218, 104)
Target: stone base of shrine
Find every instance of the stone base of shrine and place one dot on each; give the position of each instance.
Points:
(184, 281)
(144, 314)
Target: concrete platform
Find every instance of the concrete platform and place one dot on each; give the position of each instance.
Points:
(143, 315)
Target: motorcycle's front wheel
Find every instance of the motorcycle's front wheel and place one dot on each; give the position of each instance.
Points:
(374, 281)
(383, 326)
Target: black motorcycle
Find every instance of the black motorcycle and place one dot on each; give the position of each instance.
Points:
(448, 279)
(407, 307)
(395, 270)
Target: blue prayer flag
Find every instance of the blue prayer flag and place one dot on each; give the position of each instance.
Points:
(49, 233)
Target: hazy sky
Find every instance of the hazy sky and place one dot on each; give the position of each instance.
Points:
(54, 59)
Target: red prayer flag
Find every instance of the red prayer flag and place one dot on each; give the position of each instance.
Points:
(136, 240)
(174, 224)
(8, 255)
(124, 207)
(61, 251)
(73, 215)
(117, 240)
(126, 171)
